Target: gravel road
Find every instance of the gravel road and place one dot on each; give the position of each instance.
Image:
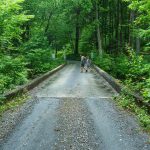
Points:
(71, 111)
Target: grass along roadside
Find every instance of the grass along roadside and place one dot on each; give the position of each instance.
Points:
(128, 103)
(14, 103)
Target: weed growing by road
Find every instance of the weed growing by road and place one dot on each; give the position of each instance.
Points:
(132, 69)
(11, 104)
(128, 102)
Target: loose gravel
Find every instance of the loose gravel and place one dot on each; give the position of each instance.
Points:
(75, 127)
(13, 117)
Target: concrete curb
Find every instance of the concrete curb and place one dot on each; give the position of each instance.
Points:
(112, 81)
(119, 87)
(29, 86)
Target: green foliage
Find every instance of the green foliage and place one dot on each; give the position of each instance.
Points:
(131, 69)
(142, 21)
(4, 106)
(121, 66)
(17, 71)
(39, 61)
(11, 19)
(86, 36)
(35, 42)
(128, 102)
(117, 66)
(137, 69)
(104, 62)
(67, 49)
(26, 44)
(12, 72)
(5, 82)
(146, 90)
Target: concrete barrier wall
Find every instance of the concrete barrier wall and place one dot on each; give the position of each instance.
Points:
(112, 81)
(29, 86)
(119, 87)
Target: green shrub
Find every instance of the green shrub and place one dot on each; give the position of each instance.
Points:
(146, 90)
(131, 68)
(120, 67)
(40, 61)
(12, 72)
(137, 69)
(37, 41)
(5, 82)
(128, 102)
(105, 62)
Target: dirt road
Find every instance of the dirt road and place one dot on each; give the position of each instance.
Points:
(74, 111)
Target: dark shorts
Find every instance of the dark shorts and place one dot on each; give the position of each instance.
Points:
(82, 64)
(88, 65)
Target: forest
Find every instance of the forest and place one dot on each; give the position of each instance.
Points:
(115, 32)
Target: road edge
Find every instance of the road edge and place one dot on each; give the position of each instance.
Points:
(111, 80)
(32, 84)
(119, 87)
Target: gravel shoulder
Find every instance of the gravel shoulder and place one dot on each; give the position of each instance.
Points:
(11, 118)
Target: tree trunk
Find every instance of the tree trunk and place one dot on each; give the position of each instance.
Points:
(117, 26)
(48, 22)
(26, 33)
(132, 17)
(77, 39)
(77, 34)
(137, 45)
(99, 40)
(121, 28)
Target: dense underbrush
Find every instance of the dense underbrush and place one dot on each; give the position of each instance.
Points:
(15, 71)
(131, 69)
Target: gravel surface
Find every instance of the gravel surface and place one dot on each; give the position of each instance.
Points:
(71, 111)
(75, 127)
(12, 117)
(117, 129)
